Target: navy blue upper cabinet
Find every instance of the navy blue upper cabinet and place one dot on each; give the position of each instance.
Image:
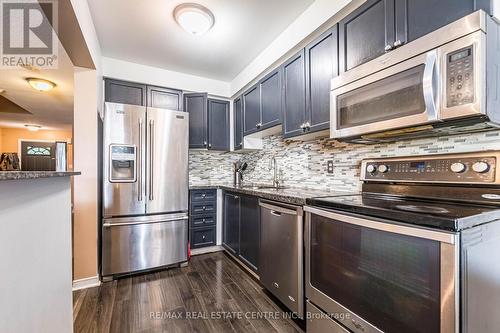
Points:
(218, 125)
(164, 98)
(294, 95)
(196, 106)
(251, 110)
(366, 33)
(208, 122)
(321, 67)
(238, 123)
(270, 99)
(124, 92)
(416, 18)
(379, 26)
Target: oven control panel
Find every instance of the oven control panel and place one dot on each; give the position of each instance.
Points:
(453, 169)
(460, 77)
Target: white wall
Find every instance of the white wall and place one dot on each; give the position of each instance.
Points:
(128, 71)
(35, 254)
(310, 20)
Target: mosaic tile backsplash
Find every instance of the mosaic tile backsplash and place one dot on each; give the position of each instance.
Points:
(304, 164)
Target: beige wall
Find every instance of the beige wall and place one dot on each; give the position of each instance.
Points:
(9, 139)
(85, 192)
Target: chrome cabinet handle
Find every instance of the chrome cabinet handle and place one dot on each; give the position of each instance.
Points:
(307, 126)
(151, 158)
(431, 84)
(204, 143)
(388, 47)
(139, 164)
(398, 43)
(259, 125)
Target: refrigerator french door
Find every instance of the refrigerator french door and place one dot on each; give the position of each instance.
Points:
(145, 188)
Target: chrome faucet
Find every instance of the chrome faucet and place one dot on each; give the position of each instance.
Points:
(274, 164)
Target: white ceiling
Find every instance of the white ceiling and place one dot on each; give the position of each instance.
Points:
(51, 110)
(145, 32)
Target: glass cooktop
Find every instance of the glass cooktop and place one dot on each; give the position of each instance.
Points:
(437, 214)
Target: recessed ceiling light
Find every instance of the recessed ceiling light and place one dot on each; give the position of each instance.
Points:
(33, 128)
(40, 84)
(194, 18)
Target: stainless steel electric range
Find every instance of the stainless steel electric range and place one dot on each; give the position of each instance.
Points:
(417, 251)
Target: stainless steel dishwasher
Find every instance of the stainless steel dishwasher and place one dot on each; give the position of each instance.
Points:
(281, 253)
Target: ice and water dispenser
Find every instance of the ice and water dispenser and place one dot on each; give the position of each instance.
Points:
(123, 163)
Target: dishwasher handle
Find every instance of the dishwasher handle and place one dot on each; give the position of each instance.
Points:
(277, 209)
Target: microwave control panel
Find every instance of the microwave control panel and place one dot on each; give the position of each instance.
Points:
(460, 77)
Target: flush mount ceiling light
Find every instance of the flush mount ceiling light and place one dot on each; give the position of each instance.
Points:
(2, 91)
(41, 84)
(194, 18)
(33, 128)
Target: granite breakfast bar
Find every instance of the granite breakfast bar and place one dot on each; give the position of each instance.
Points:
(35, 251)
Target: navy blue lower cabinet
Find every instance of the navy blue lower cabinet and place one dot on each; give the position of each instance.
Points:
(203, 218)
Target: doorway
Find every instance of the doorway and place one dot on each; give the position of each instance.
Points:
(38, 156)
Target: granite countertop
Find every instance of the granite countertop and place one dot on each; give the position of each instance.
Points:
(21, 175)
(296, 196)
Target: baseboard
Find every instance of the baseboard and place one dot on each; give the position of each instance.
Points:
(86, 283)
(210, 249)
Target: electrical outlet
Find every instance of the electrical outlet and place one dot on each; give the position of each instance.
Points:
(329, 166)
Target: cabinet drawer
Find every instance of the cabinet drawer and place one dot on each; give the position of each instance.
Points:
(203, 195)
(198, 208)
(202, 237)
(203, 220)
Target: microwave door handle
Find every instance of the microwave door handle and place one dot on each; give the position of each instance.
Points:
(431, 85)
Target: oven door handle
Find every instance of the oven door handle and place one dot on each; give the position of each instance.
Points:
(430, 84)
(439, 236)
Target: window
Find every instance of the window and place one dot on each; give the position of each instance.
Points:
(43, 151)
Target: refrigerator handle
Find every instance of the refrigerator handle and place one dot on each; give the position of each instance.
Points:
(151, 158)
(139, 164)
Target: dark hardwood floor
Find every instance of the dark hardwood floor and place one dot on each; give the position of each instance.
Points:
(212, 294)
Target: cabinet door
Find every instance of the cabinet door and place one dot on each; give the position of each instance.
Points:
(125, 92)
(416, 18)
(294, 99)
(218, 125)
(321, 66)
(270, 99)
(250, 231)
(164, 98)
(238, 124)
(251, 110)
(196, 106)
(365, 33)
(231, 226)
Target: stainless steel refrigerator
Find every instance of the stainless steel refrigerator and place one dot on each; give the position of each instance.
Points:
(145, 189)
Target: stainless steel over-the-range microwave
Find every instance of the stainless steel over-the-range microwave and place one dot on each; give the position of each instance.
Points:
(446, 82)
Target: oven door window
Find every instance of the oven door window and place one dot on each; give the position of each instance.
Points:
(390, 280)
(397, 96)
